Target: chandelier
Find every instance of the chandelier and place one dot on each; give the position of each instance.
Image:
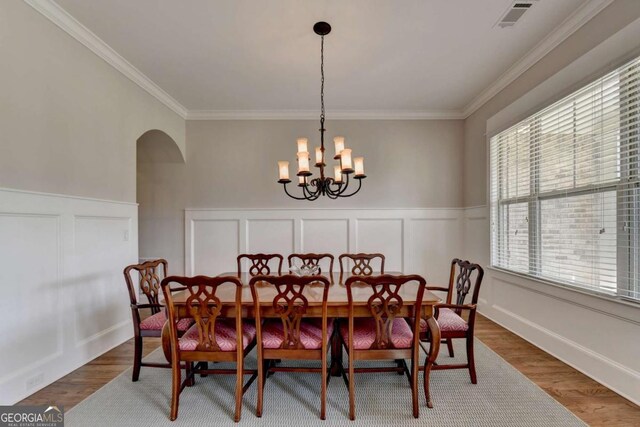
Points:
(332, 187)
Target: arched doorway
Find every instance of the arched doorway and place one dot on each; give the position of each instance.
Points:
(159, 162)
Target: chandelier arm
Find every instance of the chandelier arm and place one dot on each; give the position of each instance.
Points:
(311, 195)
(291, 195)
(315, 194)
(343, 189)
(337, 190)
(332, 196)
(352, 194)
(308, 193)
(315, 197)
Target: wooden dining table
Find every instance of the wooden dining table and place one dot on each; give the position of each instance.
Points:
(337, 307)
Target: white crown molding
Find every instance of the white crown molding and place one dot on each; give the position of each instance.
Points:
(56, 14)
(331, 115)
(569, 26)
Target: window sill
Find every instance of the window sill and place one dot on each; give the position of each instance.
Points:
(595, 301)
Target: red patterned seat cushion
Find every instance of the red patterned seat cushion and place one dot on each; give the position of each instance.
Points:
(310, 333)
(448, 321)
(225, 333)
(364, 333)
(157, 321)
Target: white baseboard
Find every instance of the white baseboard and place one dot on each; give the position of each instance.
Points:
(611, 374)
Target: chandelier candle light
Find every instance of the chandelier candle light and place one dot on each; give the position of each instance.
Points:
(332, 187)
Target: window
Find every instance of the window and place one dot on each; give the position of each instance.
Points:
(565, 189)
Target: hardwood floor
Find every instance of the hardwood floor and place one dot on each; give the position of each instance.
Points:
(592, 402)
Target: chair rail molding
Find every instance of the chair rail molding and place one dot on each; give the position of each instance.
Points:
(64, 295)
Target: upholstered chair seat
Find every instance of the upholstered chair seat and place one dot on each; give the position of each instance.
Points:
(225, 334)
(364, 333)
(156, 322)
(310, 333)
(448, 321)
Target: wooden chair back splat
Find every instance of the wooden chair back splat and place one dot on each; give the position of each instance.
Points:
(312, 260)
(261, 264)
(362, 264)
(149, 281)
(461, 278)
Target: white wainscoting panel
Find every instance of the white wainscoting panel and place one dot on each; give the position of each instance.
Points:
(34, 238)
(270, 236)
(212, 256)
(64, 297)
(373, 235)
(431, 254)
(97, 282)
(324, 236)
(403, 235)
(597, 336)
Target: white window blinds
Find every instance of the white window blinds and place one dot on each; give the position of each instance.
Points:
(565, 189)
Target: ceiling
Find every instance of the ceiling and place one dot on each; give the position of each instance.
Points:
(383, 55)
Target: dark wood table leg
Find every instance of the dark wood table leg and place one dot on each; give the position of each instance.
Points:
(336, 353)
(400, 363)
(434, 349)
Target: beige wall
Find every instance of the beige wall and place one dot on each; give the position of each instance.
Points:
(232, 164)
(69, 120)
(616, 16)
(409, 163)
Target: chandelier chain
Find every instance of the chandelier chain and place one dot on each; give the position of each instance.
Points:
(322, 81)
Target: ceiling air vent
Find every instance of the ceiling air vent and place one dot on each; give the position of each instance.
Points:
(514, 13)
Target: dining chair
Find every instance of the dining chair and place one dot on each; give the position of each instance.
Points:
(449, 316)
(150, 274)
(383, 334)
(285, 333)
(312, 260)
(212, 338)
(362, 264)
(261, 264)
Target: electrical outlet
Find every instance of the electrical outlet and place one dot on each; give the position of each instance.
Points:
(126, 235)
(35, 381)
